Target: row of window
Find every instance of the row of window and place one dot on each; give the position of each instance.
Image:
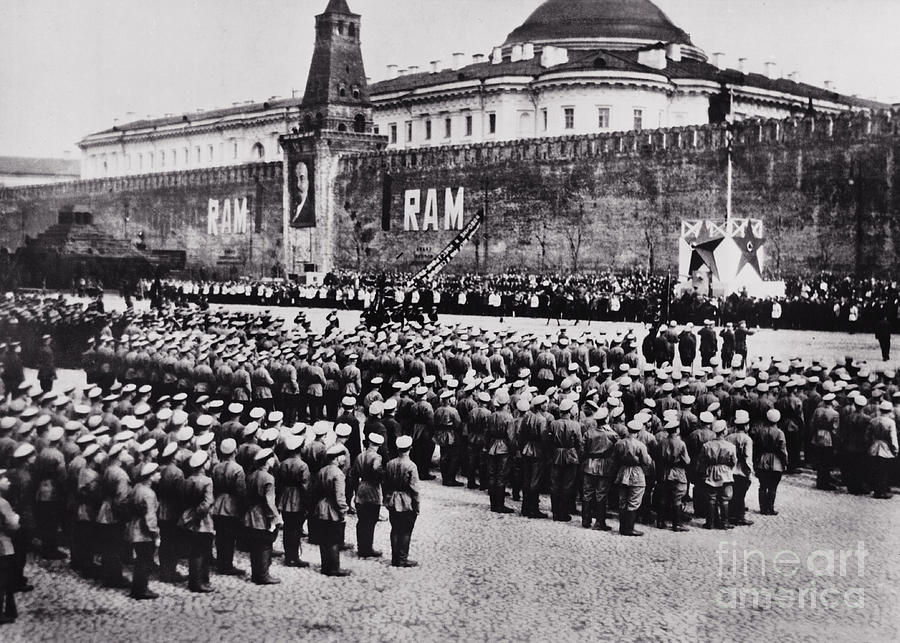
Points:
(602, 118)
(468, 123)
(148, 161)
(602, 115)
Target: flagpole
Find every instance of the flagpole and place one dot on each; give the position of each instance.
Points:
(729, 189)
(729, 135)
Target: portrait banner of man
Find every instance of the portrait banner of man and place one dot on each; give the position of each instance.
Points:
(303, 202)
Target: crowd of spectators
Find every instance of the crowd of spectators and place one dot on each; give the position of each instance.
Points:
(820, 302)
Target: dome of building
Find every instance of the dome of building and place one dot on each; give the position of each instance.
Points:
(600, 24)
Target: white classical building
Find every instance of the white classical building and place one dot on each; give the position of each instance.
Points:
(573, 67)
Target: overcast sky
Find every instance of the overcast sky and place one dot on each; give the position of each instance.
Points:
(69, 67)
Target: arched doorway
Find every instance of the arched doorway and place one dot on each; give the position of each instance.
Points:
(258, 152)
(359, 123)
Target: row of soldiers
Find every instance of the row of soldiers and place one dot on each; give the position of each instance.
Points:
(507, 409)
(180, 475)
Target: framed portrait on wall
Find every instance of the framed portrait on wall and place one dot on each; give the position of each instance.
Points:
(302, 191)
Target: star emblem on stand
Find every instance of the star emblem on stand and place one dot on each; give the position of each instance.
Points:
(749, 245)
(705, 253)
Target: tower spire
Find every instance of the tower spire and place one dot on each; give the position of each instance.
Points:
(337, 94)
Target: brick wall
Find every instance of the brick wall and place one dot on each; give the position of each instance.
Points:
(824, 187)
(172, 209)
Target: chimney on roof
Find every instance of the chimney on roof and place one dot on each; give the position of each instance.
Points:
(527, 51)
(435, 66)
(391, 72)
(478, 59)
(742, 65)
(770, 69)
(718, 59)
(413, 69)
(552, 56)
(459, 59)
(793, 76)
(654, 58)
(516, 55)
(829, 85)
(497, 56)
(673, 52)
(295, 93)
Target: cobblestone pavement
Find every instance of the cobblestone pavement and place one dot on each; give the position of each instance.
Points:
(490, 577)
(484, 577)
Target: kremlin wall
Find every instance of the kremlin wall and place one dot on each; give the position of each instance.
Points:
(825, 188)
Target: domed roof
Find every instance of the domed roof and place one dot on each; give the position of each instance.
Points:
(597, 21)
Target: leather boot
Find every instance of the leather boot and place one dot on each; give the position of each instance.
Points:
(587, 513)
(404, 541)
(632, 516)
(722, 521)
(526, 504)
(499, 495)
(266, 563)
(325, 555)
(710, 515)
(195, 576)
(600, 514)
(335, 554)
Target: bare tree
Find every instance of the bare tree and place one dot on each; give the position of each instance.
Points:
(575, 233)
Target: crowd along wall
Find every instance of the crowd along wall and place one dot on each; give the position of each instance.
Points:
(823, 186)
(228, 220)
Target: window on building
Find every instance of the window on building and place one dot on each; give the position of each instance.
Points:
(409, 131)
(351, 30)
(342, 91)
(544, 119)
(393, 130)
(198, 155)
(259, 152)
(140, 162)
(428, 130)
(187, 156)
(162, 159)
(569, 116)
(468, 125)
(234, 150)
(149, 160)
(356, 93)
(603, 118)
(128, 162)
(492, 123)
(638, 119)
(375, 129)
(212, 153)
(448, 127)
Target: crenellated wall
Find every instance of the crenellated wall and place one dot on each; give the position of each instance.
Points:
(823, 186)
(176, 211)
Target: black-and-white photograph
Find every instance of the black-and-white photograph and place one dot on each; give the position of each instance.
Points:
(449, 320)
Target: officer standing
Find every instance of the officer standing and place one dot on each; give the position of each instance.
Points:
(630, 457)
(565, 445)
(196, 522)
(170, 492)
(771, 461)
(292, 496)
(598, 472)
(46, 363)
(142, 530)
(717, 461)
(402, 500)
(262, 519)
(499, 429)
(229, 490)
(824, 426)
(672, 460)
(708, 343)
(367, 474)
(9, 525)
(743, 447)
(531, 437)
(111, 518)
(330, 511)
(50, 477)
